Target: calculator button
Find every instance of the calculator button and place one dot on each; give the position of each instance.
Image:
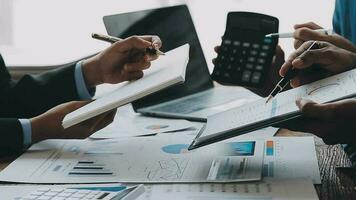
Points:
(261, 60)
(253, 52)
(268, 40)
(241, 60)
(228, 67)
(217, 73)
(265, 47)
(249, 66)
(256, 77)
(232, 59)
(238, 68)
(237, 43)
(259, 67)
(246, 76)
(251, 59)
(234, 51)
(255, 46)
(227, 42)
(225, 49)
(246, 44)
(227, 75)
(263, 54)
(222, 57)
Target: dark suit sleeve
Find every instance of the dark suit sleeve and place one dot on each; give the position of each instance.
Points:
(11, 136)
(34, 94)
(28, 97)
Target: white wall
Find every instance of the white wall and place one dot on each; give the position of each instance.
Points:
(56, 31)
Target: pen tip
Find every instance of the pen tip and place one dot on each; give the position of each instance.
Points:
(269, 98)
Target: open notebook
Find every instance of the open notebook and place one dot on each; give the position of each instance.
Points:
(258, 114)
(164, 72)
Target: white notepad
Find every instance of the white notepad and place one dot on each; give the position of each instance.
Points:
(164, 72)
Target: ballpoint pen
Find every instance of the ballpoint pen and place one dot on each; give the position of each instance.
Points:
(291, 73)
(112, 39)
(290, 35)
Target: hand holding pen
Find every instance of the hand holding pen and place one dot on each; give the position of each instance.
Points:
(290, 73)
(153, 50)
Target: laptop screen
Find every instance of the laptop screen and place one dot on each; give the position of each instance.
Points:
(175, 27)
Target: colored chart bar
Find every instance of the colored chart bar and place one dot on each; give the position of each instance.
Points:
(269, 148)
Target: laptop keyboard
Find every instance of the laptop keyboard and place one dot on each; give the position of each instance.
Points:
(207, 99)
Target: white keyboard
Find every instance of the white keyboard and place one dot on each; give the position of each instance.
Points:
(83, 194)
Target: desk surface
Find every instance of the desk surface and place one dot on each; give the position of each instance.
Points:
(334, 185)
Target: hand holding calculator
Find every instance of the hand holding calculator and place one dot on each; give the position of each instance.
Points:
(245, 54)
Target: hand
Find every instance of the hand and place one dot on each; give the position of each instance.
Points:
(330, 60)
(304, 32)
(333, 122)
(273, 76)
(49, 124)
(123, 61)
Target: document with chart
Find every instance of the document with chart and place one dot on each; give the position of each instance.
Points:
(259, 114)
(159, 159)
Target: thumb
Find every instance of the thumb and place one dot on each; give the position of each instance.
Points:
(314, 110)
(74, 105)
(133, 42)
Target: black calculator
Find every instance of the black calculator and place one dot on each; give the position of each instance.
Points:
(245, 55)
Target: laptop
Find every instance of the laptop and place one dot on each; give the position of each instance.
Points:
(197, 98)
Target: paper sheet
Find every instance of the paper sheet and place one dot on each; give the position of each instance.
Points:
(15, 192)
(268, 189)
(291, 157)
(321, 91)
(128, 123)
(166, 71)
(141, 159)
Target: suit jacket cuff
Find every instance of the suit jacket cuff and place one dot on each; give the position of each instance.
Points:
(27, 132)
(83, 92)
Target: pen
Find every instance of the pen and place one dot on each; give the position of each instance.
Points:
(112, 39)
(291, 73)
(290, 35)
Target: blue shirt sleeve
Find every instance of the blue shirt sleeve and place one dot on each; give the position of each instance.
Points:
(83, 92)
(27, 132)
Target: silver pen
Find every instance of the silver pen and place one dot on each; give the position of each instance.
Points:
(111, 39)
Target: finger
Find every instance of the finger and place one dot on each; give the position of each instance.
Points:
(288, 64)
(297, 43)
(133, 42)
(314, 110)
(154, 39)
(306, 34)
(108, 119)
(134, 75)
(214, 61)
(310, 25)
(73, 105)
(139, 66)
(216, 49)
(307, 76)
(317, 56)
(344, 110)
